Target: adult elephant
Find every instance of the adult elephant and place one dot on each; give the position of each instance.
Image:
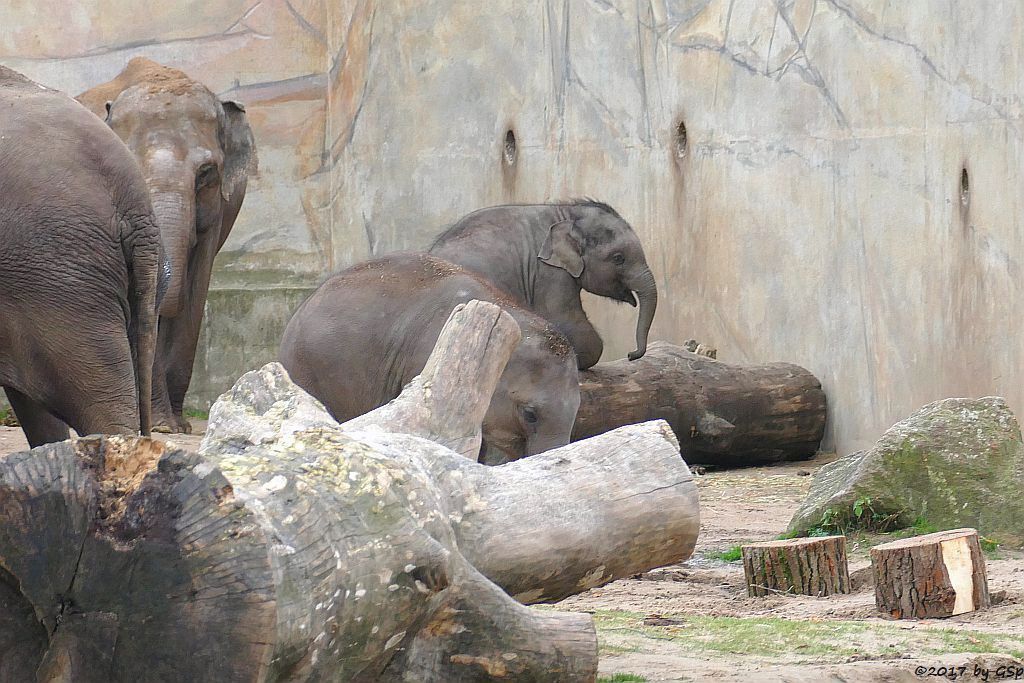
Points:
(367, 331)
(544, 254)
(79, 262)
(196, 153)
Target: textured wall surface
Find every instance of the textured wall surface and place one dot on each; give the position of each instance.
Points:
(847, 195)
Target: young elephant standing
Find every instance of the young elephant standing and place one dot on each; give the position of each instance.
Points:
(367, 331)
(196, 153)
(544, 254)
(79, 261)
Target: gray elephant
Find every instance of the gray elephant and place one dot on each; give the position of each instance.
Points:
(544, 254)
(79, 263)
(197, 153)
(367, 331)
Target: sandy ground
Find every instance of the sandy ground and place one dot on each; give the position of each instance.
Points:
(694, 621)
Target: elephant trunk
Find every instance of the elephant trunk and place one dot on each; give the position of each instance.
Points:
(647, 294)
(175, 216)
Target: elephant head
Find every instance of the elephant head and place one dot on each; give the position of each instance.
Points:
(592, 243)
(534, 405)
(196, 153)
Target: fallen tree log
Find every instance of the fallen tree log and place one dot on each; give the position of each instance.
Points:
(926, 577)
(293, 548)
(722, 414)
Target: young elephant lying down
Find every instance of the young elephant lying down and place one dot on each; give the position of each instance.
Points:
(367, 331)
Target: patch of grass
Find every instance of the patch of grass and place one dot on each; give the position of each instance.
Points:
(781, 639)
(7, 418)
(990, 547)
(921, 526)
(622, 678)
(786, 535)
(197, 414)
(733, 554)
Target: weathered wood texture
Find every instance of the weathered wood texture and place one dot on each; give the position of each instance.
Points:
(936, 575)
(293, 548)
(722, 414)
(805, 566)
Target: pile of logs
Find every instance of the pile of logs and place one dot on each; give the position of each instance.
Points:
(293, 548)
(722, 414)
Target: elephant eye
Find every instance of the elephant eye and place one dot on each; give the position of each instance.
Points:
(530, 415)
(618, 259)
(206, 175)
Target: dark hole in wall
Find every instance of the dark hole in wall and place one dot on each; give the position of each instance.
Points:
(965, 188)
(681, 140)
(510, 150)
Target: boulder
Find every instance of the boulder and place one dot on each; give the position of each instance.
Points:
(957, 462)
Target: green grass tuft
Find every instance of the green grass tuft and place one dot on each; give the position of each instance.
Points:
(733, 554)
(622, 678)
(197, 414)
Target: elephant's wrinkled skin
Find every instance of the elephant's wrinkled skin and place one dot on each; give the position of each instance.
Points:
(79, 262)
(196, 153)
(367, 331)
(544, 254)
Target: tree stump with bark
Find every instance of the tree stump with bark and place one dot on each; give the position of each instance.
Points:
(722, 414)
(293, 548)
(930, 576)
(804, 566)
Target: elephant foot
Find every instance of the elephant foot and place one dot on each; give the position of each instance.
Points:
(173, 425)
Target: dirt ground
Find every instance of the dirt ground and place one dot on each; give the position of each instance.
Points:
(694, 621)
(720, 634)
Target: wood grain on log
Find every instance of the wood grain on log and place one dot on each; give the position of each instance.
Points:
(561, 522)
(804, 566)
(935, 575)
(722, 414)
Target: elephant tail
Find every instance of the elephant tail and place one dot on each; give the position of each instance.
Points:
(141, 243)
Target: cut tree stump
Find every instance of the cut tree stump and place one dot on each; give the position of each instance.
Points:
(293, 548)
(804, 566)
(936, 575)
(722, 414)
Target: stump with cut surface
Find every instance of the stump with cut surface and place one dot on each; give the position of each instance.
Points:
(936, 575)
(722, 414)
(294, 548)
(804, 566)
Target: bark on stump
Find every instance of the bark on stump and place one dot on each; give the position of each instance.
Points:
(294, 548)
(936, 575)
(804, 566)
(722, 414)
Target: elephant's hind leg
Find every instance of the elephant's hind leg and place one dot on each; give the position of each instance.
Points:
(38, 423)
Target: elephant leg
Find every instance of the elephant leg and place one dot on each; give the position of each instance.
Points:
(38, 423)
(164, 418)
(95, 392)
(585, 340)
(179, 349)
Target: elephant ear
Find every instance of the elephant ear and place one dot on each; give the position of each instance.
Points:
(563, 248)
(240, 160)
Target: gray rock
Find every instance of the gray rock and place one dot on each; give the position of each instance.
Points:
(954, 463)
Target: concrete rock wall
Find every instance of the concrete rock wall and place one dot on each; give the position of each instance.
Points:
(835, 183)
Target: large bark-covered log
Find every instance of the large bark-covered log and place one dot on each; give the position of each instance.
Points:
(930, 576)
(293, 548)
(804, 566)
(722, 414)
